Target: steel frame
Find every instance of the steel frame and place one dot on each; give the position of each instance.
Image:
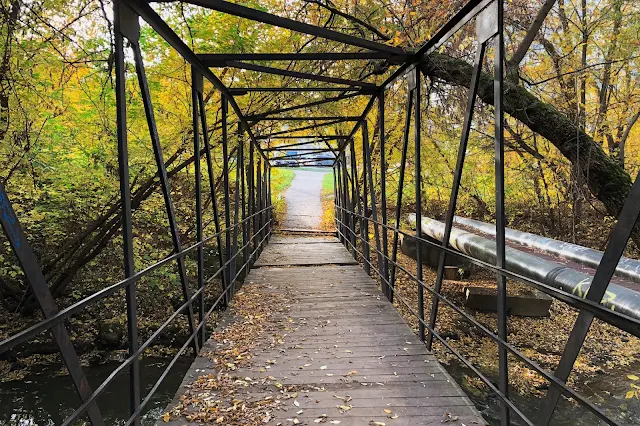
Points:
(221, 59)
(247, 214)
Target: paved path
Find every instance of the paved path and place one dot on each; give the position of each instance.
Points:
(304, 206)
(337, 352)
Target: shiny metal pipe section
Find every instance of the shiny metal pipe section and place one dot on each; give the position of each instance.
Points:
(627, 268)
(554, 274)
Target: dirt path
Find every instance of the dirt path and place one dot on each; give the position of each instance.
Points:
(304, 206)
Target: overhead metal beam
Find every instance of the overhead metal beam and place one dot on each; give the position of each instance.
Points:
(281, 147)
(299, 129)
(299, 149)
(296, 74)
(245, 90)
(462, 17)
(317, 137)
(302, 106)
(319, 151)
(301, 27)
(304, 163)
(154, 20)
(324, 117)
(220, 59)
(359, 122)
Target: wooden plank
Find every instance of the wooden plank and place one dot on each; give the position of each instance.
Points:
(286, 239)
(311, 254)
(339, 336)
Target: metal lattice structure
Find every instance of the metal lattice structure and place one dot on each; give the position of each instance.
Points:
(251, 220)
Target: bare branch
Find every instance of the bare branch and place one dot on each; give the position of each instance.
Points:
(532, 32)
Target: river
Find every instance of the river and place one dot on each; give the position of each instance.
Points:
(46, 398)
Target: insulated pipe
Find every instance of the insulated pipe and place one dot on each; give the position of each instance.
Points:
(554, 274)
(627, 268)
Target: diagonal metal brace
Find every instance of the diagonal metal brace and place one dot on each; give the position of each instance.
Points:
(35, 277)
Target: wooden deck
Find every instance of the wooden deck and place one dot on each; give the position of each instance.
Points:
(342, 354)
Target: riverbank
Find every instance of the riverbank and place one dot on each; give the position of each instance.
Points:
(609, 356)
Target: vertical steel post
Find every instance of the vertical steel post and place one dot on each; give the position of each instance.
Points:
(164, 180)
(498, 92)
(259, 205)
(236, 213)
(455, 187)
(362, 206)
(403, 162)
(196, 87)
(372, 194)
(384, 266)
(355, 195)
(418, 178)
(245, 222)
(265, 202)
(212, 185)
(227, 201)
(354, 198)
(121, 19)
(270, 201)
(335, 195)
(347, 204)
(338, 200)
(252, 201)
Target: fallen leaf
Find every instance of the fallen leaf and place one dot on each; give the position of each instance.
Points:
(448, 417)
(386, 410)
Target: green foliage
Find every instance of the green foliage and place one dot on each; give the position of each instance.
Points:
(58, 150)
(280, 181)
(327, 184)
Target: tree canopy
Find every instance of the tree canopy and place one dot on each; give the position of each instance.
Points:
(573, 103)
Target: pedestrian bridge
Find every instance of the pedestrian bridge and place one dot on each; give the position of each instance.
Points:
(310, 334)
(330, 348)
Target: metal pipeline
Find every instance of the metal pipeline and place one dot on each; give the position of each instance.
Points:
(627, 268)
(554, 274)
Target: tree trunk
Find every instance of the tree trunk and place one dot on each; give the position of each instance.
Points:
(10, 18)
(607, 180)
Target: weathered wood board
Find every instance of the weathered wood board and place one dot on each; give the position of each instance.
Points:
(346, 341)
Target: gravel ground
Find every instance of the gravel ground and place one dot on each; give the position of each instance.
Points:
(304, 206)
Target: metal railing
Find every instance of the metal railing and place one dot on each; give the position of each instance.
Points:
(247, 211)
(357, 208)
(248, 221)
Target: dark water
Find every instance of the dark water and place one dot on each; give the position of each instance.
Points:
(47, 398)
(606, 391)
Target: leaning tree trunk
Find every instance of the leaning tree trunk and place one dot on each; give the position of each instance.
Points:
(607, 180)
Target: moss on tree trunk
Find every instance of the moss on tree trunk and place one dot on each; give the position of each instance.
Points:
(607, 180)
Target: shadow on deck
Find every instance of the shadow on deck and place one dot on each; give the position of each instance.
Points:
(310, 340)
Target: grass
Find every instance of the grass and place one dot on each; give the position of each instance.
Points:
(328, 208)
(280, 181)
